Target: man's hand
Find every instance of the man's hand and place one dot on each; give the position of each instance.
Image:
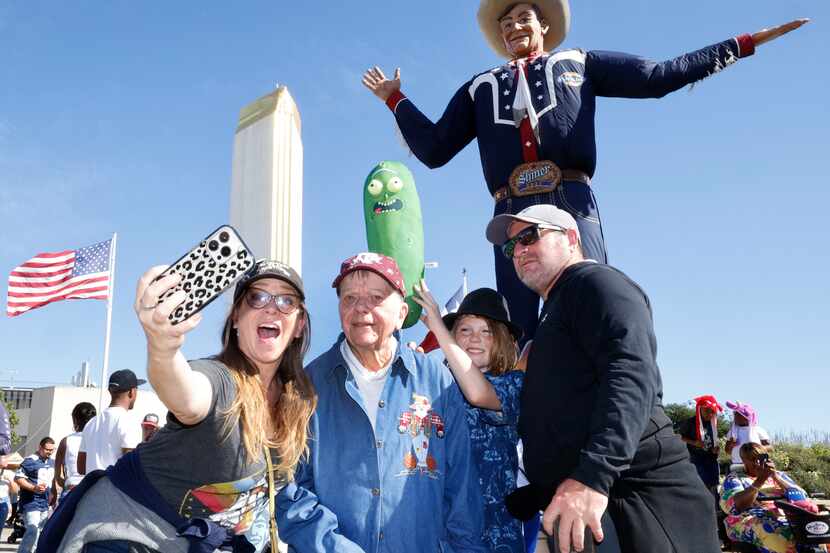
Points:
(40, 488)
(576, 506)
(765, 35)
(376, 81)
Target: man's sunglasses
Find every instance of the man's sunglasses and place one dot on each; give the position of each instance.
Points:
(259, 299)
(525, 237)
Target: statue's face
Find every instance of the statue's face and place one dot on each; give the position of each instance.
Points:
(522, 31)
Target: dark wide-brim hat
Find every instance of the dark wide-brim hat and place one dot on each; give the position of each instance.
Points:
(485, 302)
(269, 268)
(557, 13)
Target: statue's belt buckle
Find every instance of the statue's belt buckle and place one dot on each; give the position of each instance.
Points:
(534, 178)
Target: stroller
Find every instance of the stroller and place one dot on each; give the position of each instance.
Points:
(18, 529)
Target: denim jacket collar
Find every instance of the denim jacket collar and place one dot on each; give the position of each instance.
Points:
(403, 358)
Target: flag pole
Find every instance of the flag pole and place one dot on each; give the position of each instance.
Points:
(111, 292)
(464, 279)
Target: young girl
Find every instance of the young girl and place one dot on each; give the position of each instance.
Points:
(479, 342)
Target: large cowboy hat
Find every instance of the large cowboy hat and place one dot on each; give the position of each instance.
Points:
(557, 13)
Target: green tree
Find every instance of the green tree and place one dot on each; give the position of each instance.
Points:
(808, 465)
(678, 412)
(14, 420)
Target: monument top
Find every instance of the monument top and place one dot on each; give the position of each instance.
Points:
(278, 101)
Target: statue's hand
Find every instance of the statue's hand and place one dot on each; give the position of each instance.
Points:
(765, 35)
(376, 81)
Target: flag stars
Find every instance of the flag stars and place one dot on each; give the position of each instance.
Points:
(539, 97)
(538, 84)
(537, 67)
(506, 93)
(503, 76)
(507, 106)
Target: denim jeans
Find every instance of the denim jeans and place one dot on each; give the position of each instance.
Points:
(577, 199)
(34, 521)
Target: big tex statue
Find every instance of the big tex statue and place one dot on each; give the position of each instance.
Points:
(533, 117)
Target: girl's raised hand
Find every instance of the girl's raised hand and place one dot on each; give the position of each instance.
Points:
(431, 315)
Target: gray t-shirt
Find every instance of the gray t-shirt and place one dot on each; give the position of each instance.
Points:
(202, 475)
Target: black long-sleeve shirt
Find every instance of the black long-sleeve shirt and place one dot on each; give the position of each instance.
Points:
(593, 389)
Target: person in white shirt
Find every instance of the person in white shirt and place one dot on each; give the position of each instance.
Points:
(8, 487)
(113, 432)
(66, 458)
(745, 429)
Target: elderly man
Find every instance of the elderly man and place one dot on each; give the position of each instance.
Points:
(592, 422)
(389, 467)
(534, 117)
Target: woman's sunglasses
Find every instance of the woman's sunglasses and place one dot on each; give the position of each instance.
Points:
(259, 299)
(525, 237)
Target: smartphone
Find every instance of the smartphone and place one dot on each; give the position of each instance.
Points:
(207, 270)
(589, 547)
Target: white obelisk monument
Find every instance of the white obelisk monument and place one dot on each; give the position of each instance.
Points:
(267, 178)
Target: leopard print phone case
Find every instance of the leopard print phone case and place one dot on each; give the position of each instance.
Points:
(208, 270)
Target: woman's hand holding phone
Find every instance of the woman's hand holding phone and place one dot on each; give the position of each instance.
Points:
(163, 338)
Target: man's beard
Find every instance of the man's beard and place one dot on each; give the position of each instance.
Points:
(538, 282)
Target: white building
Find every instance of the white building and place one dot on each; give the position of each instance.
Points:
(50, 411)
(266, 204)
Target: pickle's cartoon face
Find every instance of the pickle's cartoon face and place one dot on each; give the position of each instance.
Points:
(394, 225)
(384, 188)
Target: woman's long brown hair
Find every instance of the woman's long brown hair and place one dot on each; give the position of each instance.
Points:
(283, 426)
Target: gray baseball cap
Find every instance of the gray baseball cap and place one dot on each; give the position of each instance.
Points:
(540, 214)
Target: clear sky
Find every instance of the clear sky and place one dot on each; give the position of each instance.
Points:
(119, 117)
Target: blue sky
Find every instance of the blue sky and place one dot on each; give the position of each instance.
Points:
(119, 117)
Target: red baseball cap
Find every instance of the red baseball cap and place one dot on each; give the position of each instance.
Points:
(379, 264)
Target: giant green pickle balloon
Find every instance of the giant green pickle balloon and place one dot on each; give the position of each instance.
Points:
(394, 226)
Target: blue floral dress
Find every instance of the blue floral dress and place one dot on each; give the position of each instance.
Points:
(494, 436)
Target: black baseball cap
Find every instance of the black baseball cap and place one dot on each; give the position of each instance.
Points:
(123, 380)
(269, 268)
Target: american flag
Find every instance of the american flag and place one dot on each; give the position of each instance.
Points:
(72, 274)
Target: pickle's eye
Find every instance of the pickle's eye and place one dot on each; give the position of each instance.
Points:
(395, 184)
(375, 187)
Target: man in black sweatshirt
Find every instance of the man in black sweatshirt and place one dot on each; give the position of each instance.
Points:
(592, 422)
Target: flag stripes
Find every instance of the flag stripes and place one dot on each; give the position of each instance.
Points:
(53, 276)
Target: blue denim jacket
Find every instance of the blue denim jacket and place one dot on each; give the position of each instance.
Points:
(410, 486)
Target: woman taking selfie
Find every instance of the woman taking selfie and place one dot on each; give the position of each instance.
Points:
(203, 480)
(479, 342)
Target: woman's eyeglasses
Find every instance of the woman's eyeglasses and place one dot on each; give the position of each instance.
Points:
(525, 237)
(259, 299)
